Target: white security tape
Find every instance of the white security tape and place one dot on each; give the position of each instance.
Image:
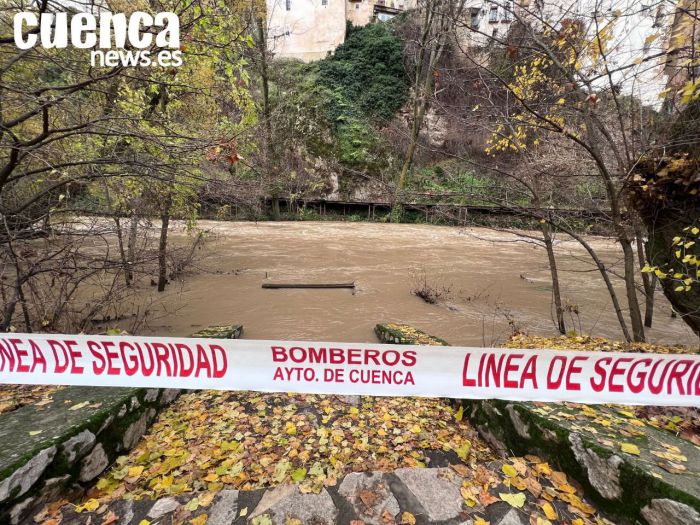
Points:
(351, 369)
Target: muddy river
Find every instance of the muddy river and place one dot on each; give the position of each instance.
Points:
(490, 283)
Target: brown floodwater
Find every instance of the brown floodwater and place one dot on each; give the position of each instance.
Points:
(493, 282)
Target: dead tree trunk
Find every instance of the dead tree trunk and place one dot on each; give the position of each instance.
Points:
(163, 243)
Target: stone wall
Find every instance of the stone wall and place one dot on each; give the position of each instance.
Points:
(657, 482)
(636, 487)
(56, 450)
(53, 450)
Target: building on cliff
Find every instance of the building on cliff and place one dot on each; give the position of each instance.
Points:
(642, 32)
(311, 29)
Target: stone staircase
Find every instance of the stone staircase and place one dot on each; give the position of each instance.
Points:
(428, 495)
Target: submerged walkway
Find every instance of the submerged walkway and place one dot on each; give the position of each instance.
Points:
(261, 459)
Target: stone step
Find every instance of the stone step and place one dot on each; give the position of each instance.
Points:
(430, 495)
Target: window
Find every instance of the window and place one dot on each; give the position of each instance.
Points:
(494, 34)
(493, 14)
(324, 2)
(508, 12)
(474, 18)
(289, 5)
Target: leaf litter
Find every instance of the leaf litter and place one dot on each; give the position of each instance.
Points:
(209, 441)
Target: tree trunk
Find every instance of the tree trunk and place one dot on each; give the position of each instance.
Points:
(649, 304)
(122, 251)
(432, 41)
(131, 248)
(275, 207)
(648, 280)
(631, 289)
(608, 283)
(163, 244)
(556, 290)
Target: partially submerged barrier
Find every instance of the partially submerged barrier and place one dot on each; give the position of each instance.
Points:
(636, 472)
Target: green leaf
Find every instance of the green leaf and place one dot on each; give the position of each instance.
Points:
(299, 474)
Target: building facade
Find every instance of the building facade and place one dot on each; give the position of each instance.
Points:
(311, 29)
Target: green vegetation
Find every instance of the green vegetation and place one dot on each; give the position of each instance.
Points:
(340, 101)
(368, 72)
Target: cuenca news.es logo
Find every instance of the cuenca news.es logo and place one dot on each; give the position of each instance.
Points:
(115, 39)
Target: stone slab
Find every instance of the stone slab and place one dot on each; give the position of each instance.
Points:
(370, 496)
(435, 491)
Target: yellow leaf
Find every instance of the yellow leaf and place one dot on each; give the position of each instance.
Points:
(144, 522)
(509, 470)
(199, 520)
(415, 429)
(90, 506)
(481, 521)
(630, 448)
(549, 511)
(244, 512)
(514, 500)
(192, 505)
(408, 519)
(561, 102)
(460, 413)
(135, 472)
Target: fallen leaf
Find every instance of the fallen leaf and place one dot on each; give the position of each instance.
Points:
(630, 448)
(408, 519)
(80, 405)
(509, 470)
(90, 506)
(199, 520)
(514, 500)
(549, 511)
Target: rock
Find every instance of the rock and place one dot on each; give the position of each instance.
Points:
(602, 473)
(137, 429)
(492, 440)
(512, 517)
(124, 509)
(94, 464)
(169, 395)
(134, 404)
(224, 509)
(369, 495)
(77, 446)
(25, 476)
(286, 502)
(669, 512)
(522, 428)
(20, 511)
(440, 497)
(162, 507)
(106, 424)
(351, 400)
(151, 395)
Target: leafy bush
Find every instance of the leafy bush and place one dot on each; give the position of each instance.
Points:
(368, 71)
